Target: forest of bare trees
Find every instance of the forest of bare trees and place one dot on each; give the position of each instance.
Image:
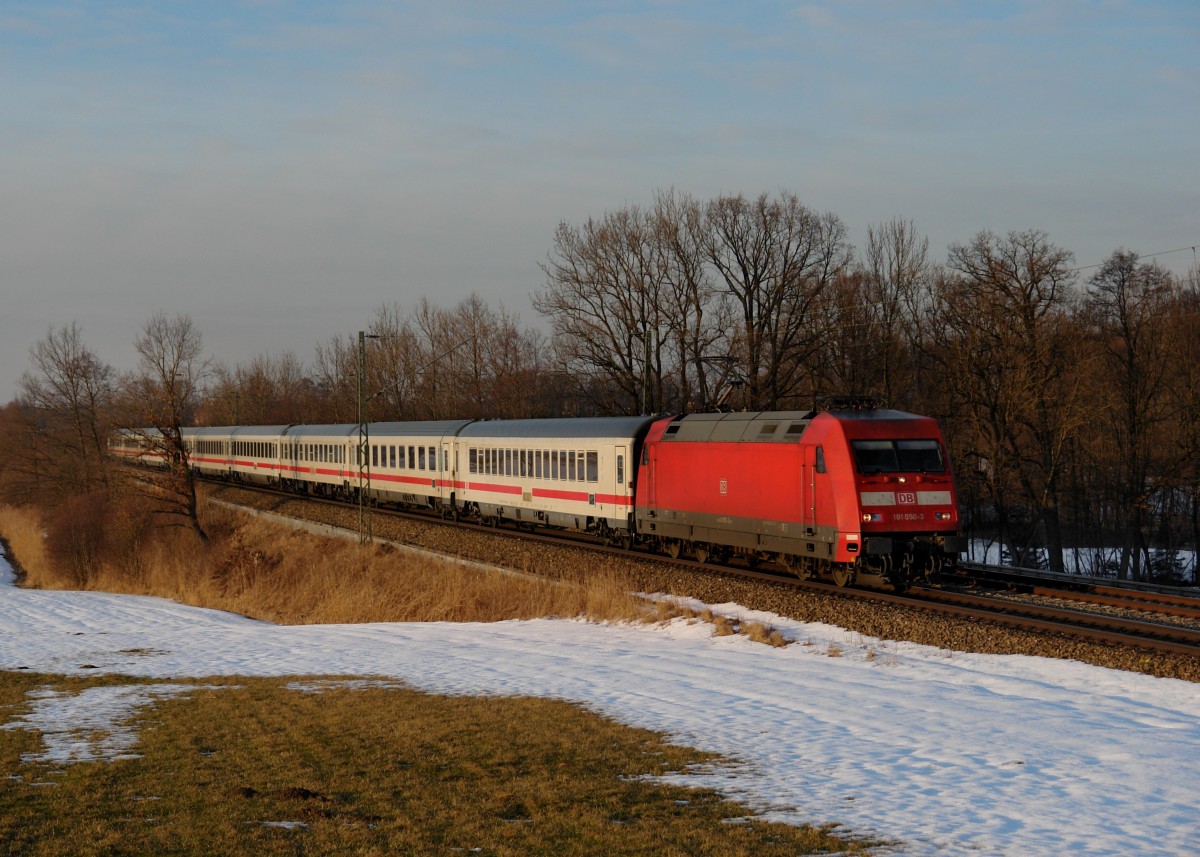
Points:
(1070, 396)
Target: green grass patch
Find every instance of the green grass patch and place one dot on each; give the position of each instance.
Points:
(252, 767)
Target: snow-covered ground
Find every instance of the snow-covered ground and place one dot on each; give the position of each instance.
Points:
(949, 752)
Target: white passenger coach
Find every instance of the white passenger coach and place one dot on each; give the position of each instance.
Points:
(575, 473)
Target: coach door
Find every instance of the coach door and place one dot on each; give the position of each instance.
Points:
(615, 469)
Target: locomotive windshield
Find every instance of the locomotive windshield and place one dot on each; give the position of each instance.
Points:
(898, 456)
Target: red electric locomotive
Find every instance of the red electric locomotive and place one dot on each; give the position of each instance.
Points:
(862, 496)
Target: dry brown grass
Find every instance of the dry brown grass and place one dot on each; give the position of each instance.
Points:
(23, 530)
(261, 569)
(723, 626)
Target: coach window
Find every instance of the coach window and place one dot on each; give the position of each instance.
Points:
(374, 455)
(570, 477)
(392, 457)
(593, 466)
(400, 456)
(433, 458)
(620, 469)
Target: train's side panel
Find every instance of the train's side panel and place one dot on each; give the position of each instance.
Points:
(209, 450)
(136, 447)
(414, 462)
(574, 473)
(320, 457)
(774, 496)
(255, 454)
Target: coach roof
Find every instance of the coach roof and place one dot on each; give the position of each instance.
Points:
(565, 428)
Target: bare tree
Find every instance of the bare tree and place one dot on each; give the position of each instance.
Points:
(776, 259)
(895, 291)
(68, 393)
(1011, 349)
(698, 316)
(499, 367)
(1129, 302)
(1182, 441)
(160, 398)
(603, 295)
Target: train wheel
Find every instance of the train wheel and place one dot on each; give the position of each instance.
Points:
(701, 555)
(674, 548)
(842, 576)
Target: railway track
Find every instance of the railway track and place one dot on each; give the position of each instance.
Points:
(1029, 578)
(1081, 624)
(1086, 624)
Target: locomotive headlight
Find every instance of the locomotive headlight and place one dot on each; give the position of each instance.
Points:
(943, 516)
(872, 517)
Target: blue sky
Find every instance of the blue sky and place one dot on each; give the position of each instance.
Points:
(279, 170)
